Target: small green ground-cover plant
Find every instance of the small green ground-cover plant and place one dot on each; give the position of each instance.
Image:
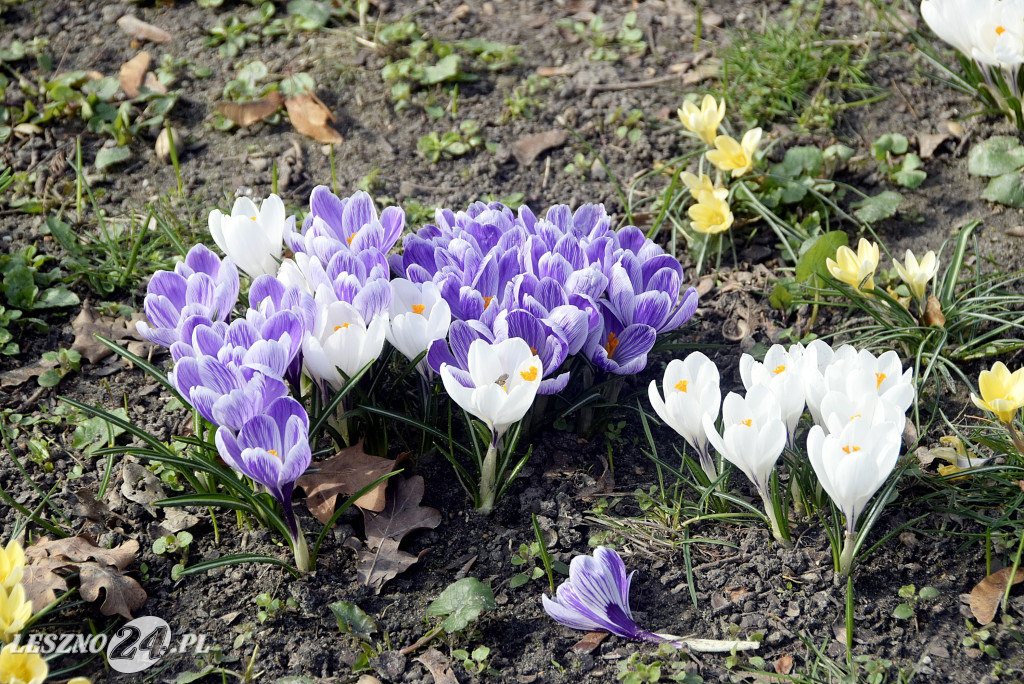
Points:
(792, 71)
(29, 289)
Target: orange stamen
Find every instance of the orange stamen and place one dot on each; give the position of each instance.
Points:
(747, 422)
(487, 301)
(851, 449)
(350, 238)
(612, 345)
(879, 379)
(779, 369)
(1000, 30)
(339, 327)
(418, 308)
(271, 452)
(681, 385)
(529, 375)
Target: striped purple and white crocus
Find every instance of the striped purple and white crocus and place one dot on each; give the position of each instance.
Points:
(273, 449)
(595, 598)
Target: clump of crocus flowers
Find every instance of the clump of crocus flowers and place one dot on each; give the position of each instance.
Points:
(989, 33)
(498, 304)
(857, 403)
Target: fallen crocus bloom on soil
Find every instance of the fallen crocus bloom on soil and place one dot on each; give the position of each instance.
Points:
(595, 598)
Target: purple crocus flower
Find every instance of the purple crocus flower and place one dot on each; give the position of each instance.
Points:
(273, 449)
(269, 346)
(268, 296)
(351, 221)
(595, 598)
(200, 285)
(224, 394)
(461, 335)
(617, 348)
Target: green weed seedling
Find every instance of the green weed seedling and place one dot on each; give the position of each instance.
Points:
(66, 361)
(528, 556)
(475, 663)
(269, 607)
(629, 125)
(234, 35)
(522, 101)
(634, 670)
(897, 162)
(981, 639)
(912, 598)
(176, 544)
(606, 44)
(1000, 158)
(451, 144)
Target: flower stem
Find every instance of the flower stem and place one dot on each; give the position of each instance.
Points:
(488, 477)
(846, 559)
(769, 509)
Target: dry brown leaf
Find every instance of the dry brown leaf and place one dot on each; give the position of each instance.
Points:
(784, 664)
(312, 118)
(247, 113)
(154, 84)
(933, 315)
(87, 325)
(122, 594)
(527, 149)
(380, 560)
(439, 665)
(19, 376)
(344, 474)
(702, 72)
(133, 73)
(136, 28)
(589, 642)
(41, 583)
(927, 143)
(985, 597)
(548, 72)
(97, 568)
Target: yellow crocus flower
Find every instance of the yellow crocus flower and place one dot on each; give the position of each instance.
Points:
(15, 611)
(856, 269)
(12, 564)
(711, 214)
(698, 184)
(22, 666)
(704, 121)
(917, 274)
(1002, 392)
(737, 157)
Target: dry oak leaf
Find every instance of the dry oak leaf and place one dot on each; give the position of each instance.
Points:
(527, 149)
(245, 114)
(589, 642)
(136, 28)
(19, 376)
(87, 325)
(439, 665)
(344, 474)
(987, 595)
(380, 560)
(312, 118)
(97, 569)
(133, 73)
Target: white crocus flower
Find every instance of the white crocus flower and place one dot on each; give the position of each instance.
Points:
(753, 436)
(816, 358)
(253, 237)
(917, 274)
(505, 377)
(859, 400)
(891, 382)
(851, 466)
(418, 317)
(502, 382)
(691, 389)
(781, 373)
(341, 339)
